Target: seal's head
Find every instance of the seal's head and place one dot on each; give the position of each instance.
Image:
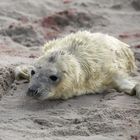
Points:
(53, 74)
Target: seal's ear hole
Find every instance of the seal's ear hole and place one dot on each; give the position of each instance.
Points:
(32, 72)
(53, 78)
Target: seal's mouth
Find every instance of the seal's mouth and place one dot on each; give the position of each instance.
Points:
(34, 94)
(37, 94)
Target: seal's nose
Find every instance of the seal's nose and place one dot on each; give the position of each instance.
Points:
(33, 90)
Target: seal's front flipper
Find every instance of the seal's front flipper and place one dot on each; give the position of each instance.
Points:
(23, 72)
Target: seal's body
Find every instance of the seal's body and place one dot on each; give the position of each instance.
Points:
(82, 63)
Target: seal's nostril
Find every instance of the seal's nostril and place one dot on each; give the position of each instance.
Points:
(33, 90)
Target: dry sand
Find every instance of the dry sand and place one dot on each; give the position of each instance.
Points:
(25, 26)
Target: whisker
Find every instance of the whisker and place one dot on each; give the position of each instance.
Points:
(36, 93)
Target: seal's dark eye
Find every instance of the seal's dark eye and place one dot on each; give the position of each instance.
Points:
(32, 72)
(53, 78)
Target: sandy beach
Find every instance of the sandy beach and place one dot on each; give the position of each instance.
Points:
(24, 27)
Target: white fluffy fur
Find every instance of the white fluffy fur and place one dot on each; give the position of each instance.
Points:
(91, 61)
